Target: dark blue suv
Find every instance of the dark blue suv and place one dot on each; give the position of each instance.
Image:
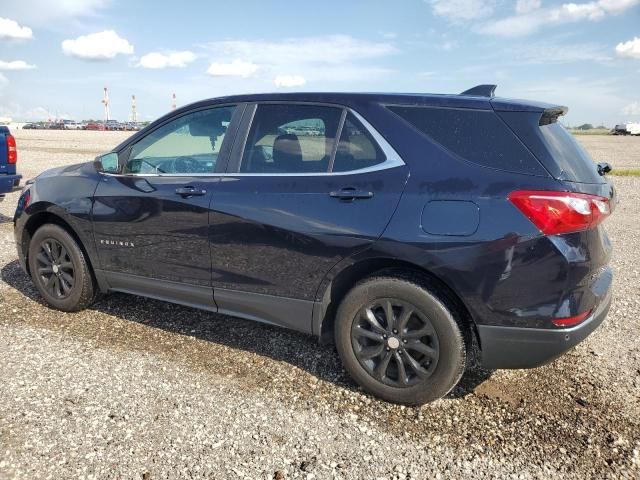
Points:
(420, 232)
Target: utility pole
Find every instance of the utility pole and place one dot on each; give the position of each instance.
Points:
(134, 114)
(105, 102)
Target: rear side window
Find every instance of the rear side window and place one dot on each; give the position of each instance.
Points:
(478, 136)
(356, 148)
(291, 139)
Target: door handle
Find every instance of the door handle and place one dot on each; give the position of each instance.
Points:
(351, 194)
(190, 191)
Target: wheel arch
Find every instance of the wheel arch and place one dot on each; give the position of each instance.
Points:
(345, 279)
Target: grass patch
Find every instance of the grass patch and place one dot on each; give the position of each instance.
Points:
(593, 131)
(625, 172)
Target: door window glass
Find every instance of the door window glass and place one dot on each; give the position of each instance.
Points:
(291, 139)
(356, 148)
(188, 144)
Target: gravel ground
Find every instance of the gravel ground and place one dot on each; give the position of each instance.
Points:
(137, 388)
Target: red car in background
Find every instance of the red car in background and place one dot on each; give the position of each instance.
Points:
(95, 126)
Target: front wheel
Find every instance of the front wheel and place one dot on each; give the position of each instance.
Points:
(398, 341)
(60, 270)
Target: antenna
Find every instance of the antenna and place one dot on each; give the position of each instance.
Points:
(105, 101)
(134, 114)
(173, 102)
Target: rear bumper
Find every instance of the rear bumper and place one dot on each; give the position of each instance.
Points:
(9, 184)
(519, 347)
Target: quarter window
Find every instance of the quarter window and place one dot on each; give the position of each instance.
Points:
(356, 148)
(291, 139)
(188, 144)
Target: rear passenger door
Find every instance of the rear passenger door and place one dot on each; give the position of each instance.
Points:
(307, 186)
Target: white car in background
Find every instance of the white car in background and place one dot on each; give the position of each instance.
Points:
(74, 126)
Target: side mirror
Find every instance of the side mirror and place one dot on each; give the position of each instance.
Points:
(107, 163)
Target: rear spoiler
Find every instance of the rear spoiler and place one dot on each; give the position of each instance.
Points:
(550, 115)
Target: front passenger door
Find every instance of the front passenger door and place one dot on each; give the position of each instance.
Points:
(151, 222)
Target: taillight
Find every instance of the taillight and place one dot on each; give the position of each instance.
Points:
(571, 321)
(561, 212)
(12, 151)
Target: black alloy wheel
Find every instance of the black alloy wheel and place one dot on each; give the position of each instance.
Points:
(55, 268)
(399, 340)
(395, 342)
(60, 269)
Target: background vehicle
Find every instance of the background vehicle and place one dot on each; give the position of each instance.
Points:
(9, 179)
(73, 125)
(626, 129)
(364, 218)
(95, 126)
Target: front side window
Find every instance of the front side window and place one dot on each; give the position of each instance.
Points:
(189, 144)
(291, 139)
(356, 148)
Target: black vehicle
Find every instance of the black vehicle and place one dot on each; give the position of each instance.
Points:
(420, 232)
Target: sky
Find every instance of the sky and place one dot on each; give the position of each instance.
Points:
(57, 56)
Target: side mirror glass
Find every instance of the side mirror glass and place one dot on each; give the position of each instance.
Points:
(108, 163)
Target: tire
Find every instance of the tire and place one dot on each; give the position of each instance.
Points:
(53, 252)
(427, 355)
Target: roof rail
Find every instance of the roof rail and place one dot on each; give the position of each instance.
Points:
(481, 91)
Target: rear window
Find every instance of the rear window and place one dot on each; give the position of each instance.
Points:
(573, 160)
(478, 136)
(356, 148)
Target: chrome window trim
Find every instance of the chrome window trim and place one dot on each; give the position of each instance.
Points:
(393, 160)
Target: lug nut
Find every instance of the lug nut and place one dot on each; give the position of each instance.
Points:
(404, 341)
(395, 331)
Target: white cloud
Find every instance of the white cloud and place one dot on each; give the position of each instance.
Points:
(158, 60)
(327, 59)
(528, 22)
(15, 65)
(46, 12)
(288, 81)
(629, 49)
(97, 46)
(331, 49)
(462, 10)
(632, 109)
(10, 29)
(236, 68)
(526, 6)
(3, 81)
(548, 53)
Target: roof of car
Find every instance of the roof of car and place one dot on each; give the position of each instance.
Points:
(415, 99)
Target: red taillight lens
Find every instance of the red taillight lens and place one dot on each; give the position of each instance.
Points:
(571, 321)
(561, 212)
(12, 151)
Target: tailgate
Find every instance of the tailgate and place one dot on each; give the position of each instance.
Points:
(9, 183)
(3, 150)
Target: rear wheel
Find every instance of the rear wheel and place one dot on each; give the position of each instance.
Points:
(60, 270)
(399, 341)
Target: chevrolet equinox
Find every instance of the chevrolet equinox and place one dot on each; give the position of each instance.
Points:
(419, 232)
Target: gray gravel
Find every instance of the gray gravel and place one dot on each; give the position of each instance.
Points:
(136, 388)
